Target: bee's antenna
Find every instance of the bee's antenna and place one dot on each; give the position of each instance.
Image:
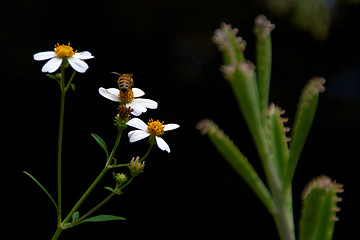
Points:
(116, 73)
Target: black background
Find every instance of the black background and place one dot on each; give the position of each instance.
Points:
(191, 192)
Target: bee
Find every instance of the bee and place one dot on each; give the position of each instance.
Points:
(125, 81)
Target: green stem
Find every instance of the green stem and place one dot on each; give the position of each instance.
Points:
(99, 205)
(57, 233)
(284, 218)
(127, 183)
(120, 165)
(92, 210)
(147, 153)
(283, 215)
(69, 83)
(142, 159)
(60, 140)
(97, 180)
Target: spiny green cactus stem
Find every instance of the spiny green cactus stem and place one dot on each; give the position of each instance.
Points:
(276, 133)
(303, 121)
(279, 159)
(319, 209)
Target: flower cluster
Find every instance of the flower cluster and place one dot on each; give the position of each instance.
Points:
(130, 99)
(130, 103)
(127, 96)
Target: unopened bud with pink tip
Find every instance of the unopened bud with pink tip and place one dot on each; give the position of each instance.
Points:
(136, 167)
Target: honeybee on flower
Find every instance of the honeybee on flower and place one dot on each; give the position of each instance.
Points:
(128, 95)
(125, 81)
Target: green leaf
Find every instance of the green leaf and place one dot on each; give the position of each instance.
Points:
(56, 76)
(103, 218)
(262, 32)
(41, 186)
(244, 85)
(277, 139)
(109, 188)
(101, 143)
(72, 86)
(116, 191)
(238, 161)
(303, 121)
(242, 77)
(75, 216)
(319, 209)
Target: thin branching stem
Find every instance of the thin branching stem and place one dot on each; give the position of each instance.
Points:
(92, 186)
(97, 180)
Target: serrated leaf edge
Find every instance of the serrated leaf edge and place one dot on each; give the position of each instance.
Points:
(312, 88)
(325, 183)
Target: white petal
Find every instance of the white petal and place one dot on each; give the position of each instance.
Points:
(44, 55)
(137, 135)
(162, 144)
(83, 55)
(52, 65)
(106, 94)
(146, 103)
(138, 92)
(138, 108)
(171, 126)
(131, 133)
(78, 64)
(137, 123)
(135, 112)
(113, 91)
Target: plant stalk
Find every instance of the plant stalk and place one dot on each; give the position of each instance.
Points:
(57, 233)
(97, 180)
(101, 204)
(282, 197)
(147, 153)
(93, 209)
(60, 141)
(283, 217)
(60, 227)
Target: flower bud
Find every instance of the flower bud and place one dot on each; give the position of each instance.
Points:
(123, 116)
(136, 167)
(120, 178)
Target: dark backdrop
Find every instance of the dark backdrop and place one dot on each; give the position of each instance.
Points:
(191, 192)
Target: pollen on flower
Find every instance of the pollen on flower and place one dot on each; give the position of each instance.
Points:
(64, 51)
(156, 127)
(127, 96)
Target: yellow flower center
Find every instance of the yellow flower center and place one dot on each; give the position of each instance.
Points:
(127, 96)
(155, 127)
(63, 51)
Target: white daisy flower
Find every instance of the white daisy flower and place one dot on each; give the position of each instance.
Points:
(130, 98)
(60, 53)
(153, 128)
